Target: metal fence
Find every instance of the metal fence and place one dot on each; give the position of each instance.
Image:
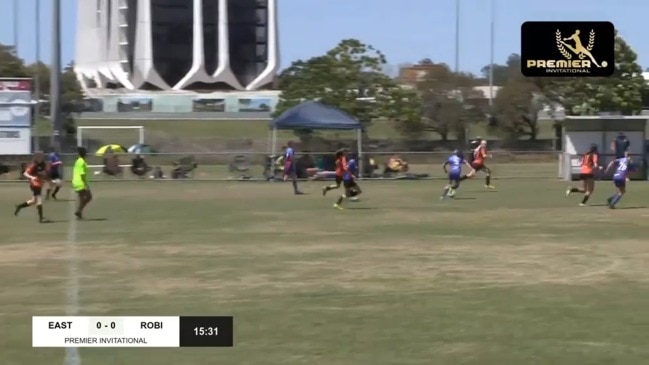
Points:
(247, 165)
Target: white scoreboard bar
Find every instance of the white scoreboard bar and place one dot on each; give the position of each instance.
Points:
(74, 331)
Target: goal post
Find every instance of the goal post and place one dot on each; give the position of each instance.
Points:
(138, 129)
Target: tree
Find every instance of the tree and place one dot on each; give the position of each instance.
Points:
(348, 77)
(447, 104)
(622, 92)
(516, 108)
(71, 93)
(10, 64)
(502, 73)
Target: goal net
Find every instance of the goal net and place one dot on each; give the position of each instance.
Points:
(93, 137)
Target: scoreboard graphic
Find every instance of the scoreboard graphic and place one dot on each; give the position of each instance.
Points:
(185, 331)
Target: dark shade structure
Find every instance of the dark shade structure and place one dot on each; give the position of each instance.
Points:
(315, 115)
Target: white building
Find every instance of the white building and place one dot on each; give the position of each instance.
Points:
(207, 45)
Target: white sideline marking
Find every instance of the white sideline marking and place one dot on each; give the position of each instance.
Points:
(72, 287)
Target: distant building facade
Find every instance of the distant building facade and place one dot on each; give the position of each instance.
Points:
(141, 46)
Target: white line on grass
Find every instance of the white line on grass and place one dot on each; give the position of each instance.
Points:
(72, 287)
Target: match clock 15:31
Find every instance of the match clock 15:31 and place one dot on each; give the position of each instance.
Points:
(206, 331)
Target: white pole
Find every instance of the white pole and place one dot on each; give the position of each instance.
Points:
(457, 36)
(141, 135)
(273, 143)
(491, 52)
(359, 146)
(16, 15)
(79, 137)
(37, 78)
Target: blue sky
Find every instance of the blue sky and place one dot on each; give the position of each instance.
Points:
(406, 31)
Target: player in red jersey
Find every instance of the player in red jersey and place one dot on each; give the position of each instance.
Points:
(480, 154)
(36, 172)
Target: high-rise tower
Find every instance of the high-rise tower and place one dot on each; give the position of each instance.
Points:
(206, 45)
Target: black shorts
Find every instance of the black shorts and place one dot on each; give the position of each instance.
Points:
(586, 176)
(348, 184)
(55, 175)
(36, 190)
(339, 180)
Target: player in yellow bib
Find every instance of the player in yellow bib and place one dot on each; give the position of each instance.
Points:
(80, 181)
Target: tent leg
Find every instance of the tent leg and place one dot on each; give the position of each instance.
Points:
(359, 146)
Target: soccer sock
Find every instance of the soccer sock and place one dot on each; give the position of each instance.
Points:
(616, 199)
(575, 190)
(585, 199)
(340, 199)
(48, 192)
(23, 205)
(56, 190)
(488, 180)
(464, 177)
(40, 211)
(295, 185)
(331, 187)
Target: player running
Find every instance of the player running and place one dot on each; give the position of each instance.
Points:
(290, 167)
(480, 154)
(36, 173)
(620, 178)
(455, 161)
(55, 174)
(589, 167)
(341, 167)
(352, 189)
(80, 181)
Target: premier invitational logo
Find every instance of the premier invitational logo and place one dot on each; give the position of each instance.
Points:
(579, 49)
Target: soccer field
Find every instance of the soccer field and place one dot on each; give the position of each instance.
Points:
(517, 276)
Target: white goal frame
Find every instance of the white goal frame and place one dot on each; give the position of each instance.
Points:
(80, 129)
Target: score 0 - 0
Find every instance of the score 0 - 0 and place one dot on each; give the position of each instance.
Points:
(109, 326)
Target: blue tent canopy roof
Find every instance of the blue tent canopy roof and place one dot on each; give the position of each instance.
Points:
(315, 115)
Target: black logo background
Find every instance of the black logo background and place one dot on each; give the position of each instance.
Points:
(538, 42)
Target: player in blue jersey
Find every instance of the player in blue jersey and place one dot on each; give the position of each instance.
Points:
(352, 190)
(290, 167)
(623, 166)
(455, 161)
(55, 174)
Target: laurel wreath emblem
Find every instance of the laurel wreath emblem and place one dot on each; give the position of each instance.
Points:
(591, 43)
(568, 55)
(560, 46)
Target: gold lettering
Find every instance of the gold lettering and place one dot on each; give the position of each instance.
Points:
(574, 64)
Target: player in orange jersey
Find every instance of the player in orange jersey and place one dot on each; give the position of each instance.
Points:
(36, 172)
(480, 154)
(341, 168)
(589, 167)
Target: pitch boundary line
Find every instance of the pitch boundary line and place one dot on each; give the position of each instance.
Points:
(72, 356)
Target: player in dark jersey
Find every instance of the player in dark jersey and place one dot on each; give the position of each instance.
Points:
(352, 190)
(36, 172)
(623, 166)
(341, 167)
(55, 167)
(290, 167)
(455, 161)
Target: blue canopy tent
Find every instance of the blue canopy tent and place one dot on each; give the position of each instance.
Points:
(316, 115)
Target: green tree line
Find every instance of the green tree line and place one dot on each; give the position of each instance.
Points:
(350, 77)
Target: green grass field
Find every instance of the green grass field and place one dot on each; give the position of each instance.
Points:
(518, 276)
(251, 129)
